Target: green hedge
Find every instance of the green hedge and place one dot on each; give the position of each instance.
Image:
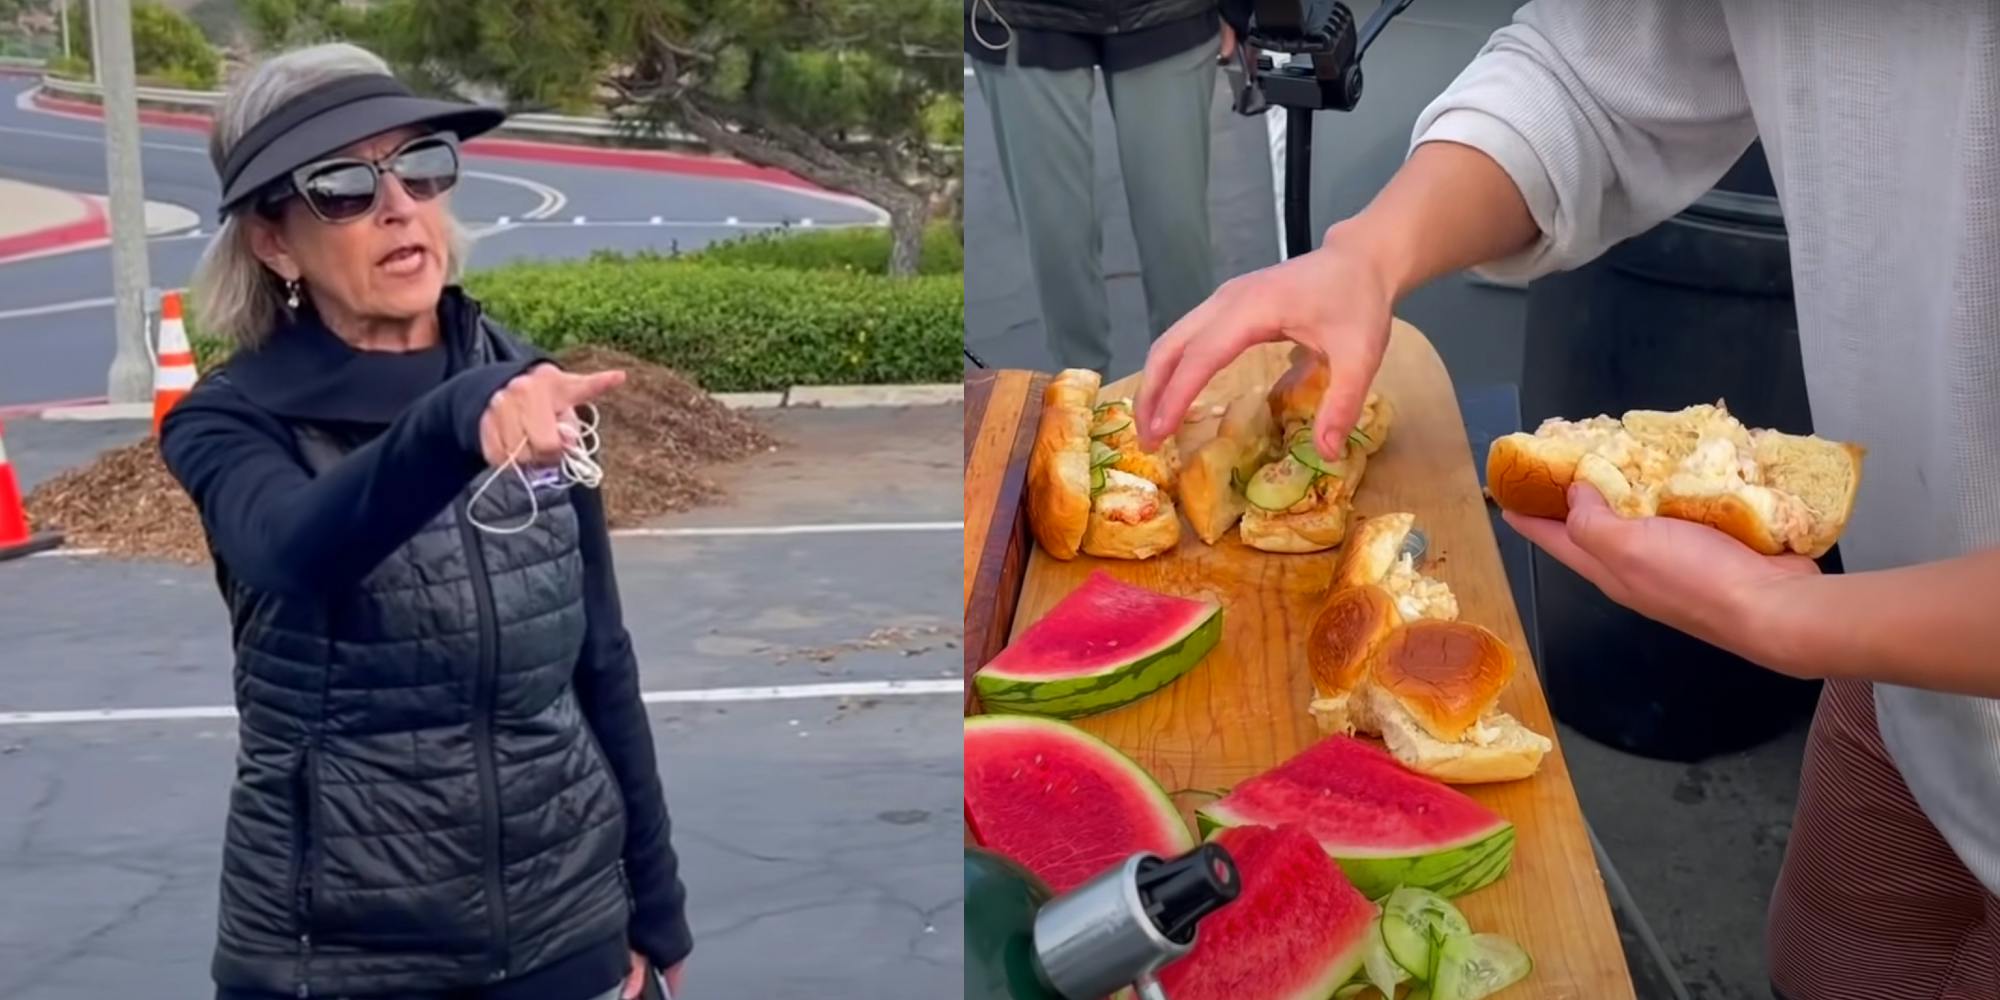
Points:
(864, 251)
(729, 325)
(738, 328)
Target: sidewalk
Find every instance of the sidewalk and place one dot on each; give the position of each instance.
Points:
(37, 220)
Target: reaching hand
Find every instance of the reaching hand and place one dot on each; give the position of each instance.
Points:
(635, 980)
(1335, 300)
(531, 408)
(1682, 574)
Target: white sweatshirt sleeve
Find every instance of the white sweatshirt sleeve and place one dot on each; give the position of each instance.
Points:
(1609, 115)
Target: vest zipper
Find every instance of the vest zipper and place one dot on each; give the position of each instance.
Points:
(307, 791)
(482, 735)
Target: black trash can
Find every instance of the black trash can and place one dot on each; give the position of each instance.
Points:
(1696, 309)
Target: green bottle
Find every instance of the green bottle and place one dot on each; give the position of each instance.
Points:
(1023, 942)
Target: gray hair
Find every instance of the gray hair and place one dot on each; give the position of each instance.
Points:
(240, 299)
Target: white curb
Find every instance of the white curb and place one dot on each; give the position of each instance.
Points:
(100, 411)
(751, 400)
(843, 396)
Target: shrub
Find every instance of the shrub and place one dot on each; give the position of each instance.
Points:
(166, 47)
(865, 251)
(738, 328)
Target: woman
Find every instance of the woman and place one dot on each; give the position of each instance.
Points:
(446, 784)
(1588, 121)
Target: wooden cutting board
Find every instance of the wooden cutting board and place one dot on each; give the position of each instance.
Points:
(1243, 709)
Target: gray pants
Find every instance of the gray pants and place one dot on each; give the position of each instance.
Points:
(1042, 132)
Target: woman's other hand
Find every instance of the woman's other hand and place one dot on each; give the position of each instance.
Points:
(1335, 300)
(530, 409)
(635, 980)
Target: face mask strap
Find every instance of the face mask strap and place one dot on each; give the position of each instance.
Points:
(578, 468)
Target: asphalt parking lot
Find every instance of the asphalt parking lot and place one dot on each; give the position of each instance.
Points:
(818, 831)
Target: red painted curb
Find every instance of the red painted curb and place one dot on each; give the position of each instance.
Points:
(657, 161)
(16, 411)
(94, 225)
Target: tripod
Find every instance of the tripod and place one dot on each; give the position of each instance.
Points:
(1330, 79)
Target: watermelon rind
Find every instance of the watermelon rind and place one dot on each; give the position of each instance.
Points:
(1114, 686)
(1171, 832)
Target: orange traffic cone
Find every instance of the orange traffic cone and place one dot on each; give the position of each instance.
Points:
(15, 538)
(173, 374)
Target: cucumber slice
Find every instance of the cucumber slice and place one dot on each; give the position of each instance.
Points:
(1415, 922)
(1097, 480)
(1308, 455)
(1350, 990)
(1356, 437)
(1279, 485)
(1110, 426)
(1419, 992)
(1102, 454)
(1472, 966)
(1381, 969)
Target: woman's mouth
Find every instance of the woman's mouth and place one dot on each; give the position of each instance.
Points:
(404, 261)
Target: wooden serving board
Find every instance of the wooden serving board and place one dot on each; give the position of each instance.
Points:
(1243, 708)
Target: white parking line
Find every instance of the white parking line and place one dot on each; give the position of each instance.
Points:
(861, 527)
(794, 692)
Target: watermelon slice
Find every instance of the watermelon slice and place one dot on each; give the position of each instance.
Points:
(1107, 644)
(1297, 931)
(1062, 802)
(1385, 824)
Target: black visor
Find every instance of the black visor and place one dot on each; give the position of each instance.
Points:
(330, 118)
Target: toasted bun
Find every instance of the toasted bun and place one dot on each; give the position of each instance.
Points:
(1245, 439)
(1445, 673)
(1059, 463)
(1211, 503)
(1511, 751)
(1315, 528)
(1825, 474)
(1118, 540)
(1376, 416)
(1531, 475)
(1345, 633)
(1374, 549)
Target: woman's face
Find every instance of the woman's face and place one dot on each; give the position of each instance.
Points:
(388, 265)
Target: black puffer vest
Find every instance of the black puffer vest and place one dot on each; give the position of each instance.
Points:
(1086, 17)
(419, 802)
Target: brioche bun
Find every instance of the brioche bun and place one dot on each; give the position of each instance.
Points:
(1345, 633)
(1508, 751)
(1446, 674)
(1314, 524)
(1244, 440)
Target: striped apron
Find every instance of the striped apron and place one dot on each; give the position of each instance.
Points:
(1871, 901)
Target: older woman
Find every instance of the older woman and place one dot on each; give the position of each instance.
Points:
(446, 784)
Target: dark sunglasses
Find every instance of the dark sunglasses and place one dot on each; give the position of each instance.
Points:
(343, 189)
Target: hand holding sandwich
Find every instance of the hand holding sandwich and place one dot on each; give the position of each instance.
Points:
(1683, 574)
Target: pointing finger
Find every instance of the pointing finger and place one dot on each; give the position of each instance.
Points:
(584, 388)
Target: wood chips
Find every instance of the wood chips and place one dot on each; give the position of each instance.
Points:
(658, 433)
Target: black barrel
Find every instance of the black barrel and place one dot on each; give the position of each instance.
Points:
(1696, 309)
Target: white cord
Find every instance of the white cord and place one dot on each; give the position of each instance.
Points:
(578, 467)
(981, 39)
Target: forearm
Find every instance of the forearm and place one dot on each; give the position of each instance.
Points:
(284, 529)
(1928, 626)
(1450, 207)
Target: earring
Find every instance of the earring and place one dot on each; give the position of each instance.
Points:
(292, 292)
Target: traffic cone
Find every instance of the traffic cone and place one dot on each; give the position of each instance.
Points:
(173, 374)
(15, 538)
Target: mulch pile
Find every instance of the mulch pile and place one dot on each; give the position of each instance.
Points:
(657, 433)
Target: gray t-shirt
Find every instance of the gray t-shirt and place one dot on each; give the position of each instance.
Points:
(1881, 122)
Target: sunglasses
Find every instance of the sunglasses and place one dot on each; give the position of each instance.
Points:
(343, 189)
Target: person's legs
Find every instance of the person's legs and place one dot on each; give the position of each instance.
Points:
(1042, 133)
(1162, 112)
(1871, 901)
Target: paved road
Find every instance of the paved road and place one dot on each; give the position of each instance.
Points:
(820, 836)
(55, 333)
